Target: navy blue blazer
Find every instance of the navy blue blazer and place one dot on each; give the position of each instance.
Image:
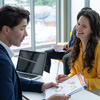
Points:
(11, 86)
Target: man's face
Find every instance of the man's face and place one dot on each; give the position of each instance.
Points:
(17, 34)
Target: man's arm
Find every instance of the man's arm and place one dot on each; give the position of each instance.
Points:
(31, 85)
(6, 84)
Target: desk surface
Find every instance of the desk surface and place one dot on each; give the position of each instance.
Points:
(97, 91)
(82, 95)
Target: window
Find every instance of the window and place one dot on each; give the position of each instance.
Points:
(76, 5)
(95, 5)
(45, 23)
(24, 4)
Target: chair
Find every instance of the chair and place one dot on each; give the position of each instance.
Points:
(60, 43)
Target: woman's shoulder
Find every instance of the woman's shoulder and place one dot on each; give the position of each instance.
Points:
(98, 43)
(98, 46)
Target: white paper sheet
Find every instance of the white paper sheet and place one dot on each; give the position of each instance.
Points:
(68, 87)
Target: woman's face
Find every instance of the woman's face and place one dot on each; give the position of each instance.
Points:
(83, 29)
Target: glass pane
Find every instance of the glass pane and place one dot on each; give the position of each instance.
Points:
(45, 23)
(24, 4)
(76, 5)
(94, 4)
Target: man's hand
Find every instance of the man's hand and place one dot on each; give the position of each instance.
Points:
(61, 78)
(48, 85)
(58, 97)
(67, 48)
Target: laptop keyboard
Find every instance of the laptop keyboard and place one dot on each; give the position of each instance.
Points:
(26, 75)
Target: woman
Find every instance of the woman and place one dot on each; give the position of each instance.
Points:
(85, 57)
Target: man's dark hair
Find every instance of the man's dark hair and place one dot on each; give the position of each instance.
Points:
(12, 16)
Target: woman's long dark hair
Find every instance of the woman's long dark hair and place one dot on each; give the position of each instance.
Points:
(94, 20)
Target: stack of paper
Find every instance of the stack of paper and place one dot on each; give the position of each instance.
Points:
(58, 48)
(68, 87)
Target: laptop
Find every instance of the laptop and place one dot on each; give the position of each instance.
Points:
(31, 64)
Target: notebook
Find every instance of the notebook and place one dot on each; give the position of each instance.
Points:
(31, 64)
(59, 48)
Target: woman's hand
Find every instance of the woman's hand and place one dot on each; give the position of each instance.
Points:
(61, 78)
(48, 85)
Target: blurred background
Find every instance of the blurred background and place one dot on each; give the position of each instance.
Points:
(50, 21)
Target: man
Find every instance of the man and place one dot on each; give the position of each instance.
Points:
(13, 22)
(51, 54)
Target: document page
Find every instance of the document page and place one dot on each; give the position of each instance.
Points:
(58, 48)
(68, 87)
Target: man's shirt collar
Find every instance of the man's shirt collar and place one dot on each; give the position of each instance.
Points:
(10, 52)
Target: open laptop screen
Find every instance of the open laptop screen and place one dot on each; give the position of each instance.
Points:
(31, 62)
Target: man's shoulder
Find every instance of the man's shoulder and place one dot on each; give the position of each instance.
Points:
(2, 49)
(4, 55)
